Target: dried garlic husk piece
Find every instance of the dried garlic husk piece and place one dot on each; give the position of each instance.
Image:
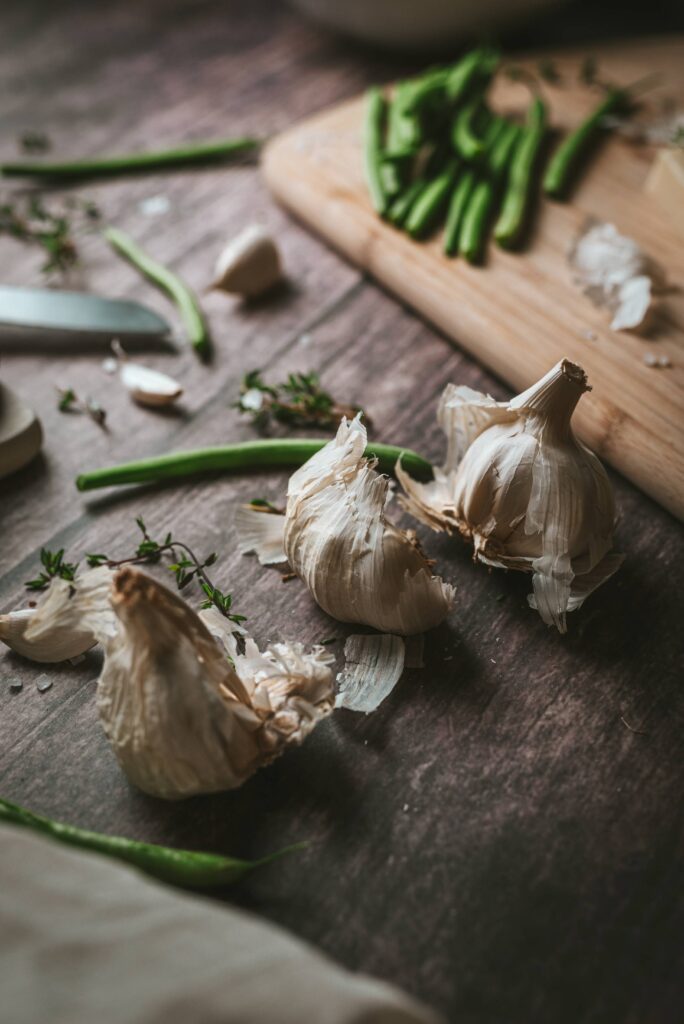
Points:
(520, 485)
(53, 646)
(615, 272)
(358, 566)
(261, 530)
(249, 265)
(180, 717)
(146, 386)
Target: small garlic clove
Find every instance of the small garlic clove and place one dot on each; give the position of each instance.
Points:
(149, 387)
(55, 645)
(249, 265)
(374, 664)
(260, 532)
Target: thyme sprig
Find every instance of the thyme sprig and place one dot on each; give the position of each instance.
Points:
(186, 567)
(299, 401)
(35, 224)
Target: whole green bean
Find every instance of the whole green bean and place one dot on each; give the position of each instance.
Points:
(185, 868)
(480, 205)
(401, 207)
(566, 158)
(457, 205)
(373, 148)
(521, 178)
(234, 457)
(182, 156)
(167, 281)
(430, 204)
(464, 136)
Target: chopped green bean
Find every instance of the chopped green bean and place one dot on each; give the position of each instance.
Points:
(565, 160)
(465, 138)
(235, 457)
(183, 156)
(373, 147)
(521, 179)
(481, 203)
(185, 868)
(167, 281)
(459, 199)
(401, 207)
(431, 203)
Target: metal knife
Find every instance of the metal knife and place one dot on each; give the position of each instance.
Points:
(44, 314)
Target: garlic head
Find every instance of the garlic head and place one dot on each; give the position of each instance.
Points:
(519, 484)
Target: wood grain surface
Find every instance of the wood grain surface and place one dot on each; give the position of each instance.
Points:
(503, 838)
(517, 315)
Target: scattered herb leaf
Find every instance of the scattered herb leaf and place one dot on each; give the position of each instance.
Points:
(298, 401)
(34, 223)
(68, 401)
(34, 142)
(53, 566)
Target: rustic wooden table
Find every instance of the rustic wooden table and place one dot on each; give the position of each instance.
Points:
(501, 838)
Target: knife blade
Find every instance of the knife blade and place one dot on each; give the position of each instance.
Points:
(43, 312)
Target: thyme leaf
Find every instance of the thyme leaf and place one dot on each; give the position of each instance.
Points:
(298, 401)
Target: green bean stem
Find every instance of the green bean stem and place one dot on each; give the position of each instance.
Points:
(430, 204)
(183, 156)
(185, 868)
(457, 205)
(566, 158)
(480, 205)
(373, 147)
(167, 281)
(521, 179)
(235, 457)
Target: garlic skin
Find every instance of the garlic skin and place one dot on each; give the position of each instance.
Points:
(53, 646)
(249, 265)
(180, 717)
(357, 565)
(519, 484)
(146, 386)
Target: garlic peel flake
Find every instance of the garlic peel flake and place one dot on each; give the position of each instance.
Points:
(261, 532)
(373, 666)
(528, 494)
(357, 565)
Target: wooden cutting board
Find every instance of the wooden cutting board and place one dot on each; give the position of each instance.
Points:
(520, 313)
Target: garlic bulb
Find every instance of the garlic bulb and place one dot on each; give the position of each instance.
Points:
(249, 265)
(358, 566)
(181, 718)
(146, 386)
(524, 489)
(54, 645)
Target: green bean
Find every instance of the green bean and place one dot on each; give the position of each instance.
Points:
(464, 136)
(430, 204)
(521, 179)
(481, 203)
(457, 205)
(183, 156)
(401, 207)
(234, 457)
(185, 868)
(392, 178)
(167, 281)
(373, 147)
(566, 158)
(476, 64)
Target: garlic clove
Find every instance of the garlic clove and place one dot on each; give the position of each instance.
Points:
(357, 565)
(180, 716)
(633, 303)
(373, 666)
(249, 265)
(53, 646)
(146, 386)
(260, 531)
(527, 493)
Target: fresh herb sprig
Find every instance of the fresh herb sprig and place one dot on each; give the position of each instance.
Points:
(32, 222)
(186, 567)
(53, 566)
(299, 401)
(68, 401)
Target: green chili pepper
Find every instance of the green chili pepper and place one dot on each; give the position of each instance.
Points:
(235, 457)
(402, 205)
(457, 205)
(565, 160)
(431, 202)
(183, 156)
(178, 867)
(464, 136)
(480, 205)
(521, 179)
(167, 281)
(373, 147)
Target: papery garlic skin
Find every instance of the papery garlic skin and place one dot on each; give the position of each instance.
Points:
(249, 265)
(52, 647)
(180, 717)
(519, 484)
(358, 566)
